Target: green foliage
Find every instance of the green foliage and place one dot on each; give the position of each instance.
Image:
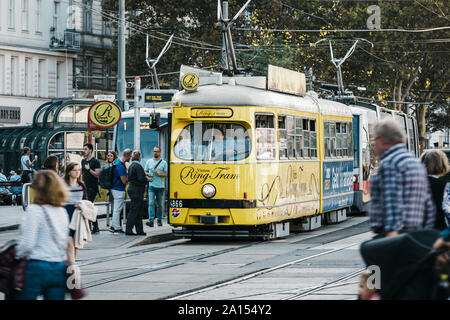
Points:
(401, 66)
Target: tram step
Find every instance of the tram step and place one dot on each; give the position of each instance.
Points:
(335, 216)
(306, 224)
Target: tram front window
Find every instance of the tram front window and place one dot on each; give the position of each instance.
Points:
(213, 142)
(125, 138)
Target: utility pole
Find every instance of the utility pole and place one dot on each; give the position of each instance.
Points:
(224, 30)
(137, 114)
(121, 83)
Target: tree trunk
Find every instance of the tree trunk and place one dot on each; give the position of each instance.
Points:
(421, 124)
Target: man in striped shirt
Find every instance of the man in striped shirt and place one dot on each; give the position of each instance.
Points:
(400, 193)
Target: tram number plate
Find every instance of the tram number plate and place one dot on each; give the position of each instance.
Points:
(176, 203)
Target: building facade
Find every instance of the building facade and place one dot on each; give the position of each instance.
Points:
(51, 49)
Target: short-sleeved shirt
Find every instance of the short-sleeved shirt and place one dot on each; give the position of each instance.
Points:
(18, 189)
(119, 171)
(158, 182)
(3, 179)
(23, 161)
(90, 181)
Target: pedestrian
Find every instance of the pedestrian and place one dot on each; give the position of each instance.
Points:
(43, 240)
(120, 179)
(136, 189)
(91, 170)
(77, 188)
(2, 179)
(27, 165)
(400, 193)
(156, 169)
(436, 163)
(111, 156)
(51, 163)
(16, 190)
(446, 204)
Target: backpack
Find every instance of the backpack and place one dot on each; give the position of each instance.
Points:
(106, 176)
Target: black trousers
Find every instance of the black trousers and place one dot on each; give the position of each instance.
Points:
(134, 218)
(91, 194)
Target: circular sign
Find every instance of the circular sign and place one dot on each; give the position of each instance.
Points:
(104, 114)
(190, 81)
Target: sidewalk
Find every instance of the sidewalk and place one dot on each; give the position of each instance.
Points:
(11, 218)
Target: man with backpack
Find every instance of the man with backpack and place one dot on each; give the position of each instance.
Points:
(91, 170)
(120, 179)
(156, 169)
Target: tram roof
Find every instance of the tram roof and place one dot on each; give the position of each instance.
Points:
(238, 95)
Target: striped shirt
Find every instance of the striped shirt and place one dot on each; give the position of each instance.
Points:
(75, 194)
(400, 193)
(37, 239)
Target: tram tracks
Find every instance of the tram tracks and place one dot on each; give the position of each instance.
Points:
(134, 271)
(262, 272)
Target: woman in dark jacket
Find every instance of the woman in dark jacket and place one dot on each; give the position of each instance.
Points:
(436, 163)
(136, 190)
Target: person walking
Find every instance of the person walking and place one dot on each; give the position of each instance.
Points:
(436, 163)
(400, 194)
(120, 179)
(91, 170)
(27, 165)
(51, 163)
(136, 189)
(156, 169)
(77, 188)
(43, 240)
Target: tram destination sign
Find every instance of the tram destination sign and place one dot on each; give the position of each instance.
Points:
(104, 114)
(148, 97)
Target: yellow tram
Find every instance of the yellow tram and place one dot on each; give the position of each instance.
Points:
(246, 161)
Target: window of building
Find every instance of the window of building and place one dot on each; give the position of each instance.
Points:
(11, 14)
(265, 136)
(87, 71)
(13, 75)
(27, 82)
(55, 17)
(25, 17)
(87, 16)
(38, 15)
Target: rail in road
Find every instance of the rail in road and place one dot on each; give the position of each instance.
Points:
(307, 244)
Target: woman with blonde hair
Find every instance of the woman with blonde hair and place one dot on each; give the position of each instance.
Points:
(436, 163)
(44, 240)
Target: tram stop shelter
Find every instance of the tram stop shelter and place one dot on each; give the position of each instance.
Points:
(59, 128)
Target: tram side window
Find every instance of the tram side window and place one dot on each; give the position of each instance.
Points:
(282, 137)
(298, 138)
(350, 149)
(332, 139)
(313, 139)
(265, 137)
(339, 137)
(326, 139)
(290, 136)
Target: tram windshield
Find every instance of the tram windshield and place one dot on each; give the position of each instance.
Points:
(125, 137)
(213, 142)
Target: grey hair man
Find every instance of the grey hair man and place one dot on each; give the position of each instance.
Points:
(120, 179)
(400, 193)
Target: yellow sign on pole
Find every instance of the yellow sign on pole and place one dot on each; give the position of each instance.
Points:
(104, 114)
(190, 82)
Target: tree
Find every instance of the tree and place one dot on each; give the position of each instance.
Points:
(401, 66)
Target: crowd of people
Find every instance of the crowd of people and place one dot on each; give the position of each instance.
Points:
(410, 199)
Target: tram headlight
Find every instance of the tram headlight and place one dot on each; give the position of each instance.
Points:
(208, 190)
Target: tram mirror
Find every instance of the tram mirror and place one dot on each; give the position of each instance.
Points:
(155, 120)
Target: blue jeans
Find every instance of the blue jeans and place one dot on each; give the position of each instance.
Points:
(44, 277)
(155, 193)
